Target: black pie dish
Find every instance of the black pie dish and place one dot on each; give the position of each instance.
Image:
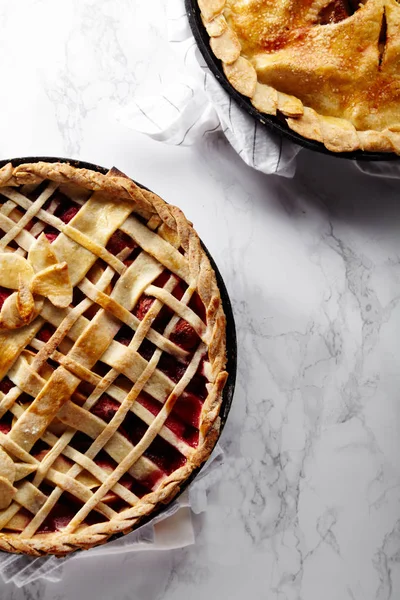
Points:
(231, 345)
(275, 124)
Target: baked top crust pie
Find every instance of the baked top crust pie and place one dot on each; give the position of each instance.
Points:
(330, 68)
(112, 356)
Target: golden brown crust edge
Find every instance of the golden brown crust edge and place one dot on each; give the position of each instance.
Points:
(147, 202)
(336, 134)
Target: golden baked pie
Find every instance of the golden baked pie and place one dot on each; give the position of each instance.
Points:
(330, 68)
(112, 356)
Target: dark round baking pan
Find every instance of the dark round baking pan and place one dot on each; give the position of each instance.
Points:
(231, 345)
(273, 123)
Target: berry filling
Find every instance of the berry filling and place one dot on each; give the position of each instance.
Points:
(188, 409)
(165, 456)
(107, 463)
(105, 408)
(81, 442)
(162, 319)
(5, 428)
(51, 234)
(175, 370)
(162, 278)
(58, 518)
(197, 387)
(336, 11)
(119, 241)
(124, 335)
(171, 367)
(160, 452)
(182, 430)
(45, 333)
(4, 294)
(143, 307)
(64, 511)
(6, 385)
(40, 449)
(198, 307)
(183, 424)
(66, 211)
(179, 290)
(184, 335)
(147, 349)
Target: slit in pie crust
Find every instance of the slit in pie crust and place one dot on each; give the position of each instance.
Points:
(329, 68)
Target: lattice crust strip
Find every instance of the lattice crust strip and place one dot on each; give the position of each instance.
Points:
(112, 356)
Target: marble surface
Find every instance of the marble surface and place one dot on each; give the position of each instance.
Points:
(307, 504)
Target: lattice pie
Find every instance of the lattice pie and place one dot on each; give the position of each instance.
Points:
(331, 68)
(112, 356)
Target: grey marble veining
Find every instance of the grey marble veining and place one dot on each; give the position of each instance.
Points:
(307, 504)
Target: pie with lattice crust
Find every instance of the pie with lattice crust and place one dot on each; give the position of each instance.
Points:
(330, 68)
(112, 356)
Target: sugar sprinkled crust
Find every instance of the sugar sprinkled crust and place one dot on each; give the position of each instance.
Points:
(329, 67)
(42, 372)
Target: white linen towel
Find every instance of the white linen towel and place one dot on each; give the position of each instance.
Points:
(195, 105)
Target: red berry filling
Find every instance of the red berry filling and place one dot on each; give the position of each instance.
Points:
(162, 319)
(197, 387)
(81, 442)
(106, 408)
(198, 307)
(147, 349)
(184, 335)
(51, 234)
(165, 456)
(143, 307)
(175, 371)
(66, 211)
(6, 420)
(119, 241)
(179, 290)
(188, 408)
(171, 367)
(162, 278)
(182, 430)
(45, 333)
(4, 294)
(6, 385)
(108, 464)
(58, 519)
(124, 335)
(64, 511)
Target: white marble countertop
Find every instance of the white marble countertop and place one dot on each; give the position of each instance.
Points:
(307, 506)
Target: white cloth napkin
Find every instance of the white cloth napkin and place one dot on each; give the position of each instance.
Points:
(171, 529)
(193, 105)
(388, 169)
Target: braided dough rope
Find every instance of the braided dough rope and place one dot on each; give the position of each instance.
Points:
(25, 368)
(337, 134)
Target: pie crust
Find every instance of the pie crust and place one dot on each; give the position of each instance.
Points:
(112, 356)
(329, 68)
